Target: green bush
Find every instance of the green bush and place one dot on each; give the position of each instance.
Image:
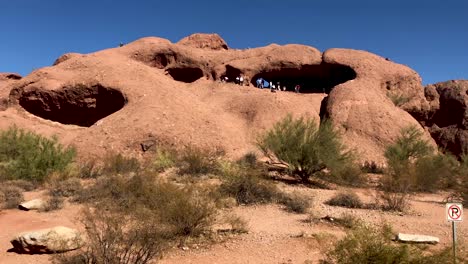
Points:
(408, 159)
(304, 147)
(367, 245)
(25, 155)
(119, 164)
(10, 196)
(346, 199)
(164, 159)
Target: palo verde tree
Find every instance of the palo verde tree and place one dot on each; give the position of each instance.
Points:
(304, 147)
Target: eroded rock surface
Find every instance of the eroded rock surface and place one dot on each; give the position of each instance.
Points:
(172, 91)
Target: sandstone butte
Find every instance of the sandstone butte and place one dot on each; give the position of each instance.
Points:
(152, 90)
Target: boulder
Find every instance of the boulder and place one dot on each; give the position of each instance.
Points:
(447, 117)
(36, 204)
(204, 41)
(417, 239)
(51, 240)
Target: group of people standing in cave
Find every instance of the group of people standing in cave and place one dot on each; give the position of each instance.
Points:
(261, 83)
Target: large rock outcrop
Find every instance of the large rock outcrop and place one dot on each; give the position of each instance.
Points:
(151, 88)
(447, 117)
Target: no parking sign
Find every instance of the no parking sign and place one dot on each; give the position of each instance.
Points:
(454, 212)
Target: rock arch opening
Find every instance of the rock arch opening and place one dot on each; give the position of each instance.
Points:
(78, 105)
(319, 78)
(186, 74)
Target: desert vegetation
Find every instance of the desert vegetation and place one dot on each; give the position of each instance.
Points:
(135, 211)
(366, 244)
(308, 149)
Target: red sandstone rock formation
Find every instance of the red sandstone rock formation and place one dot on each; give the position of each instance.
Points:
(114, 99)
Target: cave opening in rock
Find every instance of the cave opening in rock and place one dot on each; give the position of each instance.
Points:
(186, 74)
(311, 78)
(78, 105)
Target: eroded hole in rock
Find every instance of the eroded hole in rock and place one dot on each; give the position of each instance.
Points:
(78, 105)
(312, 78)
(186, 74)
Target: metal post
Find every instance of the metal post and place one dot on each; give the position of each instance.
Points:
(454, 236)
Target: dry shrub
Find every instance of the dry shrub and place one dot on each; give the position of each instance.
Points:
(119, 164)
(345, 199)
(294, 202)
(53, 203)
(197, 161)
(368, 245)
(10, 196)
(119, 239)
(89, 170)
(248, 187)
(65, 188)
(188, 211)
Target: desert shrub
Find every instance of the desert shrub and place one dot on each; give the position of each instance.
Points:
(197, 161)
(401, 157)
(10, 196)
(237, 223)
(53, 203)
(119, 164)
(433, 172)
(345, 199)
(348, 221)
(22, 184)
(120, 239)
(28, 156)
(187, 211)
(349, 175)
(247, 187)
(164, 159)
(294, 202)
(89, 170)
(365, 244)
(372, 167)
(248, 160)
(304, 147)
(398, 99)
(65, 188)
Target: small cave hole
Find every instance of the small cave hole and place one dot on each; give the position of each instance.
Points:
(311, 78)
(186, 74)
(77, 105)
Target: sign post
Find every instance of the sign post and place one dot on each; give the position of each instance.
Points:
(454, 214)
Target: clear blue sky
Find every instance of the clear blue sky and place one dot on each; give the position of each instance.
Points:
(431, 36)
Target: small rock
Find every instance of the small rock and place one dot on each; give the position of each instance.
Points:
(36, 204)
(420, 239)
(50, 240)
(147, 144)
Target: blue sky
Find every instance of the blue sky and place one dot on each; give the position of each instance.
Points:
(430, 36)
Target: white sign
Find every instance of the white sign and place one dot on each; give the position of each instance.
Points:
(454, 212)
